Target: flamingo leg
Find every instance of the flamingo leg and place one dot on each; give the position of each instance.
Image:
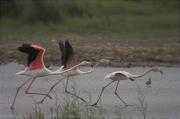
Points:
(52, 87)
(115, 92)
(72, 93)
(18, 89)
(101, 93)
(27, 90)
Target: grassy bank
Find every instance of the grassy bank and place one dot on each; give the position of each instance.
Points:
(72, 108)
(133, 32)
(68, 107)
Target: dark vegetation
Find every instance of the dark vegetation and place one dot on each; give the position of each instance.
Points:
(131, 31)
(57, 11)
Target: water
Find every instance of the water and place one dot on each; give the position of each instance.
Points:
(162, 99)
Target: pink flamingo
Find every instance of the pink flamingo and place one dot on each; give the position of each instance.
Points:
(36, 68)
(68, 60)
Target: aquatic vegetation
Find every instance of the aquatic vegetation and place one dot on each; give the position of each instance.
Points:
(70, 109)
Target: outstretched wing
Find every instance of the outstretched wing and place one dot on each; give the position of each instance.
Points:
(32, 52)
(69, 55)
(68, 50)
(118, 76)
(62, 49)
(122, 75)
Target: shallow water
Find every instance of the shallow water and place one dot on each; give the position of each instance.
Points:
(162, 99)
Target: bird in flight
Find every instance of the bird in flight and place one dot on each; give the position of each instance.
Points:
(68, 60)
(36, 68)
(123, 75)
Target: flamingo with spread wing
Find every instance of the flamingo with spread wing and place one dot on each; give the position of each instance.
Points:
(36, 68)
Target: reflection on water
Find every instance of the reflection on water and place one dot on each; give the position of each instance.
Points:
(162, 99)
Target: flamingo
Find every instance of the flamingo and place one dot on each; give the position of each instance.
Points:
(123, 75)
(68, 60)
(36, 68)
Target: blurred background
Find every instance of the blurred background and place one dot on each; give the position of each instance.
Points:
(119, 30)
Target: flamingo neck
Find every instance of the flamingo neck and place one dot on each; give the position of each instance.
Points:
(59, 71)
(141, 75)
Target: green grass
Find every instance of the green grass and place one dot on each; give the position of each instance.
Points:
(156, 29)
(117, 27)
(67, 108)
(151, 22)
(71, 108)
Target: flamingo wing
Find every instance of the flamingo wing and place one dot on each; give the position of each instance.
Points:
(119, 76)
(69, 55)
(32, 52)
(62, 49)
(68, 50)
(123, 75)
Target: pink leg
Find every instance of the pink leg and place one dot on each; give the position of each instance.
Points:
(53, 86)
(68, 92)
(27, 90)
(12, 106)
(115, 92)
(101, 93)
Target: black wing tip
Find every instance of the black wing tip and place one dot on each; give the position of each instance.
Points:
(67, 40)
(64, 41)
(61, 46)
(67, 43)
(23, 47)
(60, 42)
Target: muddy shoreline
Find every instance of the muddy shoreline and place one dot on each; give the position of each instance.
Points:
(119, 55)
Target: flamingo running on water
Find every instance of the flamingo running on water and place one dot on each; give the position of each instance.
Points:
(123, 75)
(68, 60)
(36, 68)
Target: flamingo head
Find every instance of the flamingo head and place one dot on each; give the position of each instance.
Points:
(87, 62)
(109, 76)
(104, 61)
